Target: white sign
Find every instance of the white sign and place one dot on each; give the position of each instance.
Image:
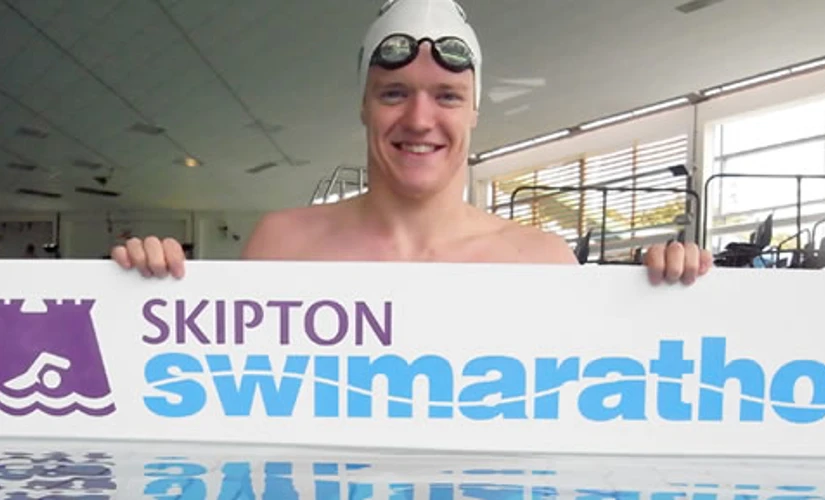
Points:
(507, 358)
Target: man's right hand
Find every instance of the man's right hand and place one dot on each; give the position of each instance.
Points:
(151, 256)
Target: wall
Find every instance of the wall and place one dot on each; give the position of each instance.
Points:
(222, 235)
(91, 235)
(16, 236)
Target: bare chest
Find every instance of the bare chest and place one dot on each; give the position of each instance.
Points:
(477, 250)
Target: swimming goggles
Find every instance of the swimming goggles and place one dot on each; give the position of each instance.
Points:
(398, 50)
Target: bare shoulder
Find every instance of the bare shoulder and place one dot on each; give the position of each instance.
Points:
(532, 244)
(279, 234)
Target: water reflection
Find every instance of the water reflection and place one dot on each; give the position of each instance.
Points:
(142, 470)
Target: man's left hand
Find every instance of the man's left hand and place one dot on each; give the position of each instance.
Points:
(676, 262)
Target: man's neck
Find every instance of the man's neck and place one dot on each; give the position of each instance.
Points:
(414, 226)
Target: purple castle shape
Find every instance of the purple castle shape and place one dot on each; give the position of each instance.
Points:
(50, 361)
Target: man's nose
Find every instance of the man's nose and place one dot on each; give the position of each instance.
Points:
(420, 112)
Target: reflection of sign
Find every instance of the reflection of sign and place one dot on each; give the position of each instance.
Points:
(164, 471)
(24, 474)
(532, 358)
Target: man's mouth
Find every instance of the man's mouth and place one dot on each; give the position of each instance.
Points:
(417, 147)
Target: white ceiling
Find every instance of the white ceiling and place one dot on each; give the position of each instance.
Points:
(85, 71)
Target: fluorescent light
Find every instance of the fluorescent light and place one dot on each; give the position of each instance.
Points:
(523, 144)
(808, 65)
(606, 121)
(662, 105)
(756, 79)
(552, 137)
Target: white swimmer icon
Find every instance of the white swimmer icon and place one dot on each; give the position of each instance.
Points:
(51, 378)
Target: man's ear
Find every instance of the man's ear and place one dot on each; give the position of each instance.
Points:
(474, 119)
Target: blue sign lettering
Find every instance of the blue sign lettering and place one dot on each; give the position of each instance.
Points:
(492, 387)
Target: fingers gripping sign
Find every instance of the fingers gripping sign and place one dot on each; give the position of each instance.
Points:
(677, 262)
(151, 256)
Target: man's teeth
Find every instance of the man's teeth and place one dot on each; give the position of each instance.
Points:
(418, 148)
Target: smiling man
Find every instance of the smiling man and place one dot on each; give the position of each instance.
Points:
(420, 73)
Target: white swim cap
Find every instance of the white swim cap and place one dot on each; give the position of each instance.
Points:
(433, 19)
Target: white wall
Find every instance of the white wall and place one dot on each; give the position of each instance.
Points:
(213, 242)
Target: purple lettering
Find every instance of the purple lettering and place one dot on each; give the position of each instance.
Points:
(325, 322)
(240, 323)
(284, 318)
(309, 322)
(383, 333)
(184, 321)
(161, 325)
(220, 322)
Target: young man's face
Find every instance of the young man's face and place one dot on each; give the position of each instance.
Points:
(418, 121)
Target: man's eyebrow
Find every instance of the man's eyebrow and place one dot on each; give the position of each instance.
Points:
(463, 87)
(391, 84)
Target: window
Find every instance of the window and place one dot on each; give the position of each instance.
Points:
(607, 189)
(788, 141)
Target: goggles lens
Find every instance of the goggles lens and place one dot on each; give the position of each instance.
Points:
(399, 50)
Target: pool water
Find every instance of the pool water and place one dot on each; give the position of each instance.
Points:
(124, 470)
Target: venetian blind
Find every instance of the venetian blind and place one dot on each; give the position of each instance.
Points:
(626, 215)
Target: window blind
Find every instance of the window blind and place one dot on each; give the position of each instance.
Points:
(629, 217)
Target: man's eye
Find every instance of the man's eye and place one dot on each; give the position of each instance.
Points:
(452, 97)
(392, 94)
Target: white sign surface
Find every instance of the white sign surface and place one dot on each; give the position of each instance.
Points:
(425, 356)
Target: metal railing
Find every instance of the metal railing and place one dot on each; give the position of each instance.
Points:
(339, 186)
(798, 177)
(605, 190)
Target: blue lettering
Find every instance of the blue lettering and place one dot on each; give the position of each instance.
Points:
(511, 385)
(671, 365)
(326, 386)
(782, 391)
(493, 387)
(190, 393)
(549, 379)
(399, 375)
(237, 399)
(631, 393)
(716, 371)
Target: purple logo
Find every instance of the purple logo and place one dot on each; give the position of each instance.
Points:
(50, 361)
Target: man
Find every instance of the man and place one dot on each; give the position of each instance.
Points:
(420, 72)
